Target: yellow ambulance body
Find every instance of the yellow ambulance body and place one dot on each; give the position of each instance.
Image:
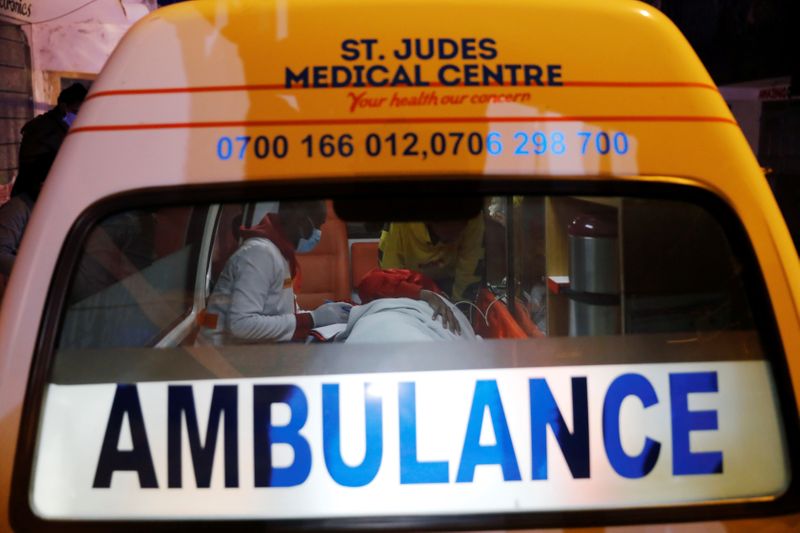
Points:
(307, 99)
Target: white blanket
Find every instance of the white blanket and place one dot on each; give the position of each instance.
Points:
(401, 320)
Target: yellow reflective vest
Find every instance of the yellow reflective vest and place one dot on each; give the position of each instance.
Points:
(456, 267)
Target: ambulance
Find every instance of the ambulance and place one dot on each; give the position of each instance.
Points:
(610, 335)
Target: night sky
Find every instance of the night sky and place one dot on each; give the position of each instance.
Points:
(739, 40)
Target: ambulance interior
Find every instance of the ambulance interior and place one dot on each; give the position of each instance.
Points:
(568, 270)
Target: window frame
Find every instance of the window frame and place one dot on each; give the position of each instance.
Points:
(183, 325)
(21, 512)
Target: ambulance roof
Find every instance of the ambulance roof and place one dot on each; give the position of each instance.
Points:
(190, 72)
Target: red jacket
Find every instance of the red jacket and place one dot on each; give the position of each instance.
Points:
(393, 283)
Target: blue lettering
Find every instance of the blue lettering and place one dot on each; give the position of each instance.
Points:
(181, 400)
(444, 44)
(443, 79)
(629, 466)
(340, 76)
(684, 461)
(300, 78)
(320, 75)
(501, 453)
(351, 476)
(126, 402)
(401, 77)
(545, 412)
(350, 50)
(418, 80)
(513, 70)
(372, 80)
(358, 71)
(411, 470)
(532, 75)
(471, 75)
(265, 435)
(554, 76)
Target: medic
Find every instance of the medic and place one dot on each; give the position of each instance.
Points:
(450, 252)
(254, 298)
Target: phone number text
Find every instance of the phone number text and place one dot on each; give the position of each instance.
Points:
(436, 144)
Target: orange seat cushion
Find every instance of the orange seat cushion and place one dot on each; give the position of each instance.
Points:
(363, 258)
(325, 270)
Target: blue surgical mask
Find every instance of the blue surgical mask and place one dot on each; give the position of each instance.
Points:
(306, 245)
(69, 118)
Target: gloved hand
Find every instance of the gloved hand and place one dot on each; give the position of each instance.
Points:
(331, 313)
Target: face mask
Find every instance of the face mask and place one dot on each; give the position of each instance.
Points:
(306, 245)
(69, 118)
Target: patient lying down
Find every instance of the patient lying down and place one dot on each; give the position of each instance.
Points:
(403, 320)
(403, 306)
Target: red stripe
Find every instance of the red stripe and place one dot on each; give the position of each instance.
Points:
(403, 120)
(169, 90)
(277, 87)
(643, 84)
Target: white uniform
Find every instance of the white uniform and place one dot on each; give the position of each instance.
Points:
(253, 298)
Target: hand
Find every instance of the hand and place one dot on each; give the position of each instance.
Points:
(331, 313)
(440, 308)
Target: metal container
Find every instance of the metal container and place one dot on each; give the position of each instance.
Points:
(594, 275)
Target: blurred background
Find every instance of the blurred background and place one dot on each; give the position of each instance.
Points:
(750, 48)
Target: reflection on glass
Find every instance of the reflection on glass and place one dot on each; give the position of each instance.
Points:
(522, 267)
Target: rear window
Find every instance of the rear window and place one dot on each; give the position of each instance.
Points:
(288, 359)
(139, 270)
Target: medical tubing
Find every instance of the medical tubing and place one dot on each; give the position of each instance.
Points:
(485, 316)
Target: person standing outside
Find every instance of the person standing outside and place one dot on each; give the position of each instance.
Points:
(41, 140)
